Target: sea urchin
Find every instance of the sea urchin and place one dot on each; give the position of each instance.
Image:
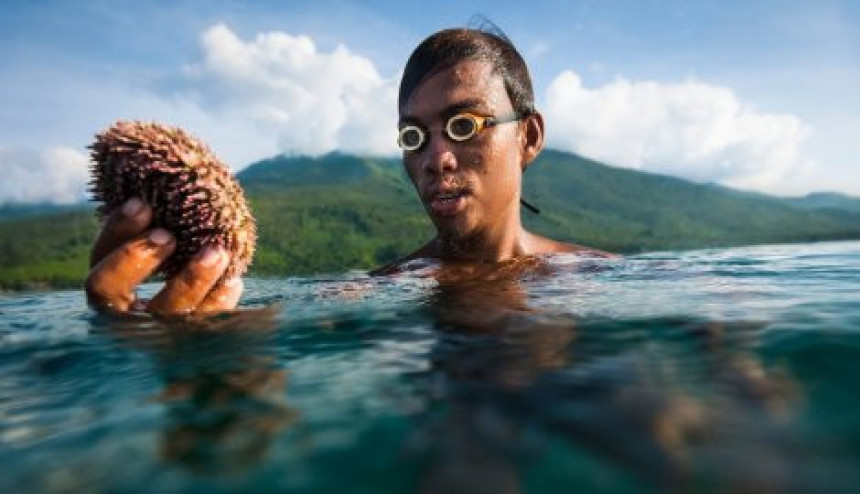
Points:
(192, 194)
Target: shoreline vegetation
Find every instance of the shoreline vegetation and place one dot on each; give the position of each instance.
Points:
(339, 212)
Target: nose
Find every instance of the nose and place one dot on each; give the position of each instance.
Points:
(439, 157)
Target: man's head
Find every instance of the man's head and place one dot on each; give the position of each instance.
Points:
(450, 46)
(469, 186)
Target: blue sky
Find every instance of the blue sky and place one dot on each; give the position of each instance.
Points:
(760, 95)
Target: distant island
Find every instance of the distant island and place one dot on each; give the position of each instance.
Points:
(339, 212)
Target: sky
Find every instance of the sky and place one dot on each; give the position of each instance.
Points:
(759, 95)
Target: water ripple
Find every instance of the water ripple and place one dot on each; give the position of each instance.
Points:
(720, 369)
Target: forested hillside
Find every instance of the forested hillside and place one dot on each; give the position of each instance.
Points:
(340, 212)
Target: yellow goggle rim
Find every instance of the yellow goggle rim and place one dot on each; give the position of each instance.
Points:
(479, 123)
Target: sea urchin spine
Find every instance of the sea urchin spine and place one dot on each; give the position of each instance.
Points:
(192, 194)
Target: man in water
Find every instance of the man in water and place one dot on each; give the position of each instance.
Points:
(468, 128)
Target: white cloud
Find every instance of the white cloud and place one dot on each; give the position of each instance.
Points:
(55, 175)
(309, 101)
(691, 129)
(277, 92)
(248, 99)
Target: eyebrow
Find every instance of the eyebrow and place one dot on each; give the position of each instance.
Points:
(448, 111)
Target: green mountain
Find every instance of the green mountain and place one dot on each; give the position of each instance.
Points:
(339, 212)
(827, 200)
(628, 211)
(16, 210)
(332, 213)
(48, 250)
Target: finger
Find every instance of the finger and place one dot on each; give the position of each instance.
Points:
(224, 296)
(182, 293)
(111, 283)
(123, 224)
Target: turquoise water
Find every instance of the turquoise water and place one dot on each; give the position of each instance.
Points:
(725, 370)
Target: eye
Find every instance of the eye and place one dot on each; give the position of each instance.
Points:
(410, 138)
(461, 127)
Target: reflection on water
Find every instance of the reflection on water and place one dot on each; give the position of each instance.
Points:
(507, 367)
(721, 370)
(223, 389)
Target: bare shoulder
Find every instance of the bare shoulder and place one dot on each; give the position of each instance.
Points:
(544, 245)
(428, 250)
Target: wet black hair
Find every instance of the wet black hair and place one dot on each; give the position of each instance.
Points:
(486, 42)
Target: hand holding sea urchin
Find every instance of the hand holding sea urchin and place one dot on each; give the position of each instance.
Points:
(192, 194)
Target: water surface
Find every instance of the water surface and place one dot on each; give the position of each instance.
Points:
(725, 370)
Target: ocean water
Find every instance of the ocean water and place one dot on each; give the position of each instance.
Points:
(724, 370)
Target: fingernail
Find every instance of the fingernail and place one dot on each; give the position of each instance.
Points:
(132, 207)
(159, 236)
(233, 282)
(209, 256)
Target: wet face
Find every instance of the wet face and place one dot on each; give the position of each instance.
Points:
(473, 186)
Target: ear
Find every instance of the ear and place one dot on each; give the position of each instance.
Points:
(532, 138)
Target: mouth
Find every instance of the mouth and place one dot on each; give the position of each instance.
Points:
(448, 202)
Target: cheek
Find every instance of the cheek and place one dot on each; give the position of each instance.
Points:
(501, 167)
(409, 166)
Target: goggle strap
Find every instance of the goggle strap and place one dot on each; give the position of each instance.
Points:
(528, 206)
(512, 117)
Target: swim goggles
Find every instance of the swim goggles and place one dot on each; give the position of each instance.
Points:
(459, 128)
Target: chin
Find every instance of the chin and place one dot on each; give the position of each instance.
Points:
(459, 228)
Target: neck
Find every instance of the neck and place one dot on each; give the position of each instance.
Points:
(504, 240)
